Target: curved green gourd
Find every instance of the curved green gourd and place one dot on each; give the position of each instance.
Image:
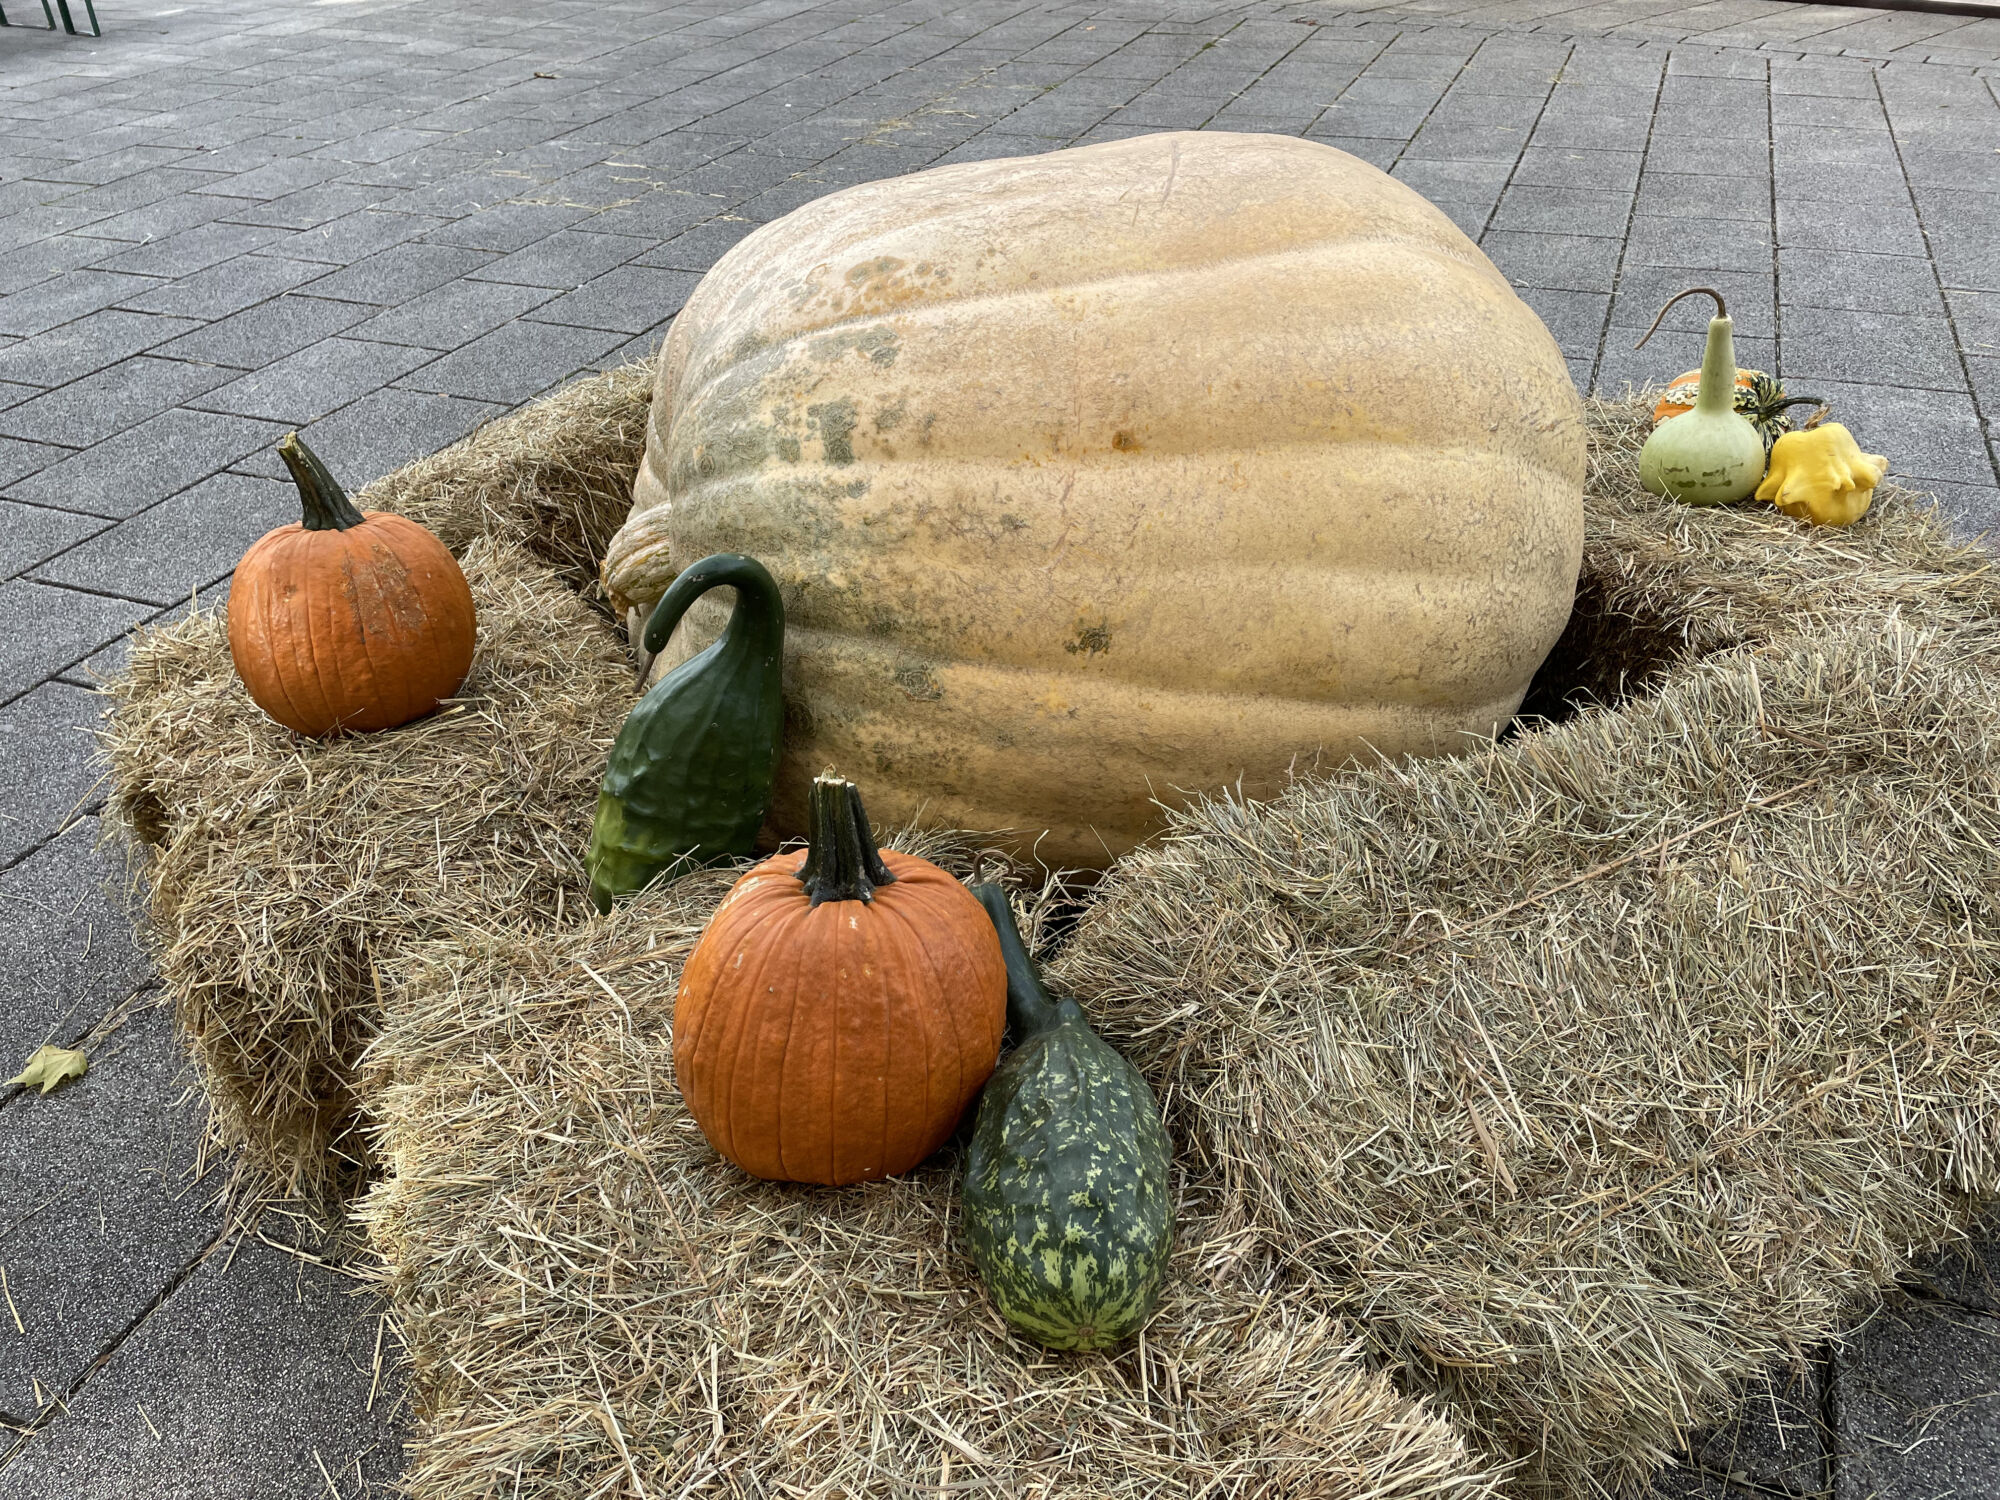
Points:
(690, 773)
(1711, 454)
(1068, 1208)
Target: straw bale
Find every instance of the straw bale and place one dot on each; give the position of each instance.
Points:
(283, 876)
(555, 477)
(597, 1305)
(1593, 1073)
(1577, 1077)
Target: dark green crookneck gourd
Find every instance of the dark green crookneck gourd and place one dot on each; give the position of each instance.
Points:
(690, 774)
(1068, 1209)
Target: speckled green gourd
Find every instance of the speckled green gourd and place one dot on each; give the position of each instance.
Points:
(690, 773)
(1068, 1210)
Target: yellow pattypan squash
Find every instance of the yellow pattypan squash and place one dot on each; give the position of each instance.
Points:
(1821, 475)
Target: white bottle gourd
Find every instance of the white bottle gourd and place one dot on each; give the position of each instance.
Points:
(1711, 454)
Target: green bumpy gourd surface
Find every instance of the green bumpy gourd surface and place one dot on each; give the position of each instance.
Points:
(1067, 1202)
(690, 774)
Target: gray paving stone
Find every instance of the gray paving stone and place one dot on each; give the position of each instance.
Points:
(1919, 1401)
(255, 1373)
(1861, 184)
(1727, 244)
(1870, 283)
(192, 249)
(180, 447)
(68, 296)
(103, 1214)
(153, 221)
(628, 299)
(1813, 224)
(274, 179)
(1976, 316)
(30, 534)
(1575, 319)
(183, 544)
(507, 227)
(98, 406)
(564, 260)
(1644, 290)
(310, 207)
(1683, 195)
(1778, 1442)
(268, 331)
(453, 314)
(699, 248)
(1562, 262)
(44, 629)
(1453, 179)
(1926, 435)
(355, 237)
(1564, 211)
(88, 344)
(1973, 513)
(399, 273)
(318, 379)
(514, 361)
(52, 780)
(19, 459)
(382, 431)
(66, 944)
(223, 289)
(1615, 171)
(1906, 349)
(1667, 356)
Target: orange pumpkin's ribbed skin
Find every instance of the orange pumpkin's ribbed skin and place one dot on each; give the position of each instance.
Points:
(365, 628)
(838, 1043)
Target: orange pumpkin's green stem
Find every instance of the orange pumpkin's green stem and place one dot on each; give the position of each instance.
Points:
(327, 507)
(842, 862)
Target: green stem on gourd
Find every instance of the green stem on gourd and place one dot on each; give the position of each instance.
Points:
(327, 507)
(1718, 356)
(1029, 1007)
(842, 862)
(758, 621)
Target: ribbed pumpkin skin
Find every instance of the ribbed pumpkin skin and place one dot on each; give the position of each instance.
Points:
(365, 628)
(1123, 471)
(839, 1043)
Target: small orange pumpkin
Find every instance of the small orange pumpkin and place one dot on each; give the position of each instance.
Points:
(841, 1009)
(1680, 393)
(347, 619)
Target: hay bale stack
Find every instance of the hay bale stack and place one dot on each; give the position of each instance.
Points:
(1580, 1076)
(596, 1304)
(1597, 1071)
(282, 877)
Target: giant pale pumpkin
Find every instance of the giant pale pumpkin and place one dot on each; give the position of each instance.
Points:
(1112, 474)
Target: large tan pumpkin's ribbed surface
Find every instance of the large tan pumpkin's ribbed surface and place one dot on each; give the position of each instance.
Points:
(1089, 477)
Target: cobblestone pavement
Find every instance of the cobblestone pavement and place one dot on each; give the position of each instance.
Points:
(386, 221)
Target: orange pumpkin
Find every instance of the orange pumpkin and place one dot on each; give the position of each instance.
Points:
(841, 1009)
(347, 619)
(1681, 390)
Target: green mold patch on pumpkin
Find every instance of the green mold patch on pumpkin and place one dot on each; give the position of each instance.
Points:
(878, 343)
(834, 421)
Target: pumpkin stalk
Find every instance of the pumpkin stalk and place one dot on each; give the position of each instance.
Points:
(1030, 1010)
(327, 507)
(843, 863)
